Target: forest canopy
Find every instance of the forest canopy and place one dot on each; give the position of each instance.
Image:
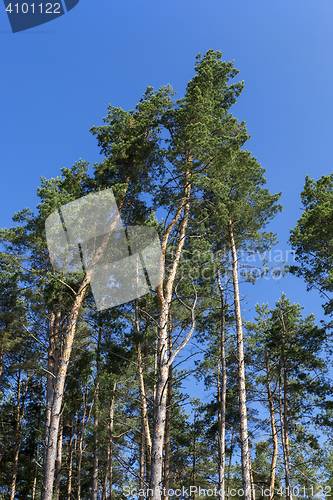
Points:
(92, 402)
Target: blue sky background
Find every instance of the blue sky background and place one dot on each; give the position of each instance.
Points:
(58, 79)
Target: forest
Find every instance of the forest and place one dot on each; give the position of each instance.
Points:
(94, 403)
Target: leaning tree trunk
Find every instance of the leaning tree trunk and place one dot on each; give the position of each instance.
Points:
(246, 472)
(55, 404)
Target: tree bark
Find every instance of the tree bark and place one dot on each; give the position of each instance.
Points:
(111, 438)
(142, 452)
(246, 472)
(94, 493)
(284, 412)
(194, 458)
(143, 394)
(168, 423)
(59, 460)
(273, 428)
(222, 395)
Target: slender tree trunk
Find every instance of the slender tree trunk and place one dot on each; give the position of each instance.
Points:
(34, 484)
(111, 438)
(253, 493)
(35, 473)
(59, 460)
(155, 378)
(222, 396)
(80, 441)
(284, 412)
(70, 468)
(168, 423)
(194, 458)
(106, 475)
(143, 393)
(230, 458)
(273, 428)
(142, 452)
(246, 473)
(94, 493)
(18, 431)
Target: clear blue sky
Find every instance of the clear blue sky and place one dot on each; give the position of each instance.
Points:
(58, 79)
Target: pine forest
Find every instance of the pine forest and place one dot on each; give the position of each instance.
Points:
(175, 393)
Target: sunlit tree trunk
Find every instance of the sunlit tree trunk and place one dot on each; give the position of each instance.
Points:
(59, 460)
(246, 472)
(284, 411)
(168, 423)
(111, 439)
(222, 395)
(143, 393)
(273, 429)
(94, 493)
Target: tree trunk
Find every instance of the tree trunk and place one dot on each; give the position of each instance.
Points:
(273, 428)
(106, 475)
(162, 346)
(246, 473)
(59, 460)
(164, 299)
(284, 412)
(142, 452)
(194, 458)
(168, 423)
(54, 408)
(70, 468)
(81, 438)
(35, 473)
(111, 438)
(230, 458)
(143, 393)
(222, 395)
(94, 493)
(253, 493)
(18, 431)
